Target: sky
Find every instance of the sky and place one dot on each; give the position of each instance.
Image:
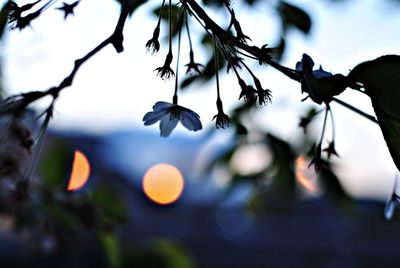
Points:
(112, 91)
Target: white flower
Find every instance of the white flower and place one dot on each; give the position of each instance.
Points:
(169, 115)
(320, 84)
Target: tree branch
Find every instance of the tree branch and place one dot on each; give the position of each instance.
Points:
(16, 104)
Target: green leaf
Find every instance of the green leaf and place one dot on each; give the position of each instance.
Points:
(111, 247)
(112, 205)
(294, 16)
(174, 254)
(381, 81)
(56, 164)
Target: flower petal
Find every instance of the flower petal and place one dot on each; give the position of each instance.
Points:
(190, 120)
(167, 124)
(153, 117)
(299, 66)
(159, 110)
(160, 105)
(321, 73)
(306, 63)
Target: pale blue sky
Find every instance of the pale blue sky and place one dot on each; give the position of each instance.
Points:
(115, 90)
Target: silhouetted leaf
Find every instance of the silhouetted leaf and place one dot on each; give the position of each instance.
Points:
(294, 16)
(381, 80)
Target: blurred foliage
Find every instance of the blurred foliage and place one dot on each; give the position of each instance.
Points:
(160, 253)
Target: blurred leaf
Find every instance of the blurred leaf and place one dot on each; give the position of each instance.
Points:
(174, 255)
(207, 73)
(188, 81)
(282, 164)
(251, 2)
(133, 4)
(308, 118)
(279, 49)
(381, 80)
(56, 164)
(177, 18)
(64, 217)
(240, 129)
(209, 69)
(214, 3)
(333, 188)
(294, 16)
(174, 9)
(3, 19)
(208, 41)
(244, 107)
(112, 206)
(111, 247)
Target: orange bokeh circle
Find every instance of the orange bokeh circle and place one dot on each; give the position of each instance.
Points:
(163, 183)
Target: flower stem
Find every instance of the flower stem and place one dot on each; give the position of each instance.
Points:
(332, 123)
(188, 34)
(161, 12)
(324, 125)
(356, 110)
(170, 26)
(216, 65)
(175, 98)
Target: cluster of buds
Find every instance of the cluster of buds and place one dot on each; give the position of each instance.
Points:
(226, 49)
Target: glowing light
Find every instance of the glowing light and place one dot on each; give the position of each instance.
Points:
(304, 176)
(163, 184)
(80, 172)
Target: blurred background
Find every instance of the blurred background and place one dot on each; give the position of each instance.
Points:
(248, 197)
